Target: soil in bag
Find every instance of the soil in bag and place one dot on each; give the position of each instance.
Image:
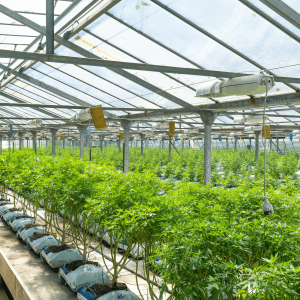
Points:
(5, 203)
(23, 217)
(38, 235)
(59, 248)
(72, 266)
(13, 209)
(99, 290)
(33, 226)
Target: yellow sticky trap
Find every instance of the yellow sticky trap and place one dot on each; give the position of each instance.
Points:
(240, 138)
(59, 273)
(267, 131)
(43, 135)
(98, 117)
(121, 136)
(171, 128)
(62, 137)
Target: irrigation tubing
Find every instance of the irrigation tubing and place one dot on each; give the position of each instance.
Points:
(104, 255)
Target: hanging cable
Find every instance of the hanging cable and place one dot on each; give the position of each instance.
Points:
(267, 206)
(89, 138)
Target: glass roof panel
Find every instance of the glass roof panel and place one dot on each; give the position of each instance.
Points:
(249, 33)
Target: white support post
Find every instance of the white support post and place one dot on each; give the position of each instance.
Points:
(170, 148)
(20, 140)
(81, 129)
(53, 133)
(34, 140)
(208, 119)
(126, 126)
(257, 133)
(1, 138)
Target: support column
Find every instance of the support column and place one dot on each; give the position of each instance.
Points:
(8, 136)
(20, 140)
(277, 144)
(46, 143)
(81, 129)
(27, 142)
(50, 26)
(270, 142)
(119, 145)
(257, 133)
(227, 145)
(1, 138)
(74, 145)
(162, 143)
(207, 118)
(182, 145)
(101, 144)
(235, 144)
(142, 144)
(126, 126)
(34, 140)
(250, 143)
(64, 144)
(53, 133)
(170, 148)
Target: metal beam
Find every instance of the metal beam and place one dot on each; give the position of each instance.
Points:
(271, 20)
(97, 14)
(246, 103)
(62, 15)
(32, 13)
(88, 54)
(22, 101)
(33, 118)
(45, 86)
(79, 107)
(284, 10)
(50, 26)
(126, 65)
(198, 28)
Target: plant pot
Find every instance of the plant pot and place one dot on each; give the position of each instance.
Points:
(24, 233)
(86, 293)
(5, 207)
(58, 259)
(8, 215)
(39, 244)
(86, 274)
(15, 224)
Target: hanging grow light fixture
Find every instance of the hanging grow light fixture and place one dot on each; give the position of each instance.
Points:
(35, 123)
(238, 86)
(162, 125)
(250, 119)
(93, 113)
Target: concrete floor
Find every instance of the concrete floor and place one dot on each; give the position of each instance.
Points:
(3, 295)
(46, 279)
(41, 281)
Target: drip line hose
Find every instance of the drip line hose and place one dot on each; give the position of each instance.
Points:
(267, 206)
(104, 255)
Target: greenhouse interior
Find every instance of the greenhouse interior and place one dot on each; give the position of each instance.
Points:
(149, 150)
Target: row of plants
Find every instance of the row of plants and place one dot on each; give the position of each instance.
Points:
(204, 242)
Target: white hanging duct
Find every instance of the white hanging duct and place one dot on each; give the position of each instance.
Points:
(113, 128)
(250, 119)
(296, 131)
(35, 122)
(253, 128)
(246, 85)
(81, 116)
(191, 131)
(5, 127)
(162, 125)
